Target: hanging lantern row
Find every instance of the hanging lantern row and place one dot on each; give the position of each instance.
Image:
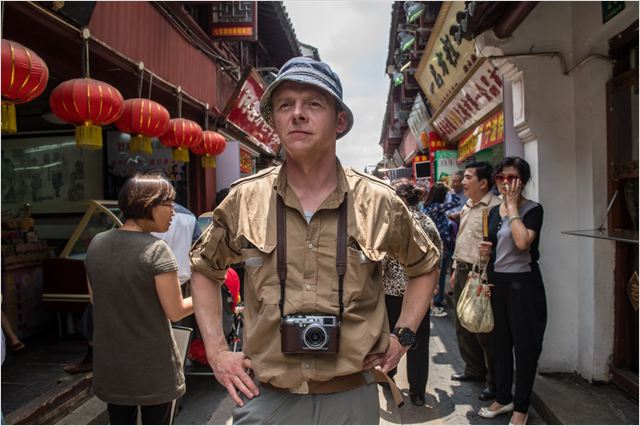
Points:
(88, 104)
(212, 144)
(182, 135)
(143, 119)
(24, 78)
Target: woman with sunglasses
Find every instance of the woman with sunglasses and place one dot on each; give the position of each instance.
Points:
(518, 297)
(134, 288)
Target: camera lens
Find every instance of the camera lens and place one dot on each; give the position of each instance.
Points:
(315, 337)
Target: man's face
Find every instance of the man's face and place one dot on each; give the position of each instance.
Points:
(305, 120)
(473, 188)
(456, 183)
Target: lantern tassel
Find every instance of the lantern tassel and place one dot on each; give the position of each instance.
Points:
(181, 154)
(9, 124)
(89, 136)
(140, 143)
(208, 162)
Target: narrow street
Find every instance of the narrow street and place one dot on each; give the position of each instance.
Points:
(289, 152)
(447, 402)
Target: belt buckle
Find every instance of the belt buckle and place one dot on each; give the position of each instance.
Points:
(303, 389)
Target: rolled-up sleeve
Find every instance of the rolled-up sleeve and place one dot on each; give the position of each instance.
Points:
(212, 254)
(409, 244)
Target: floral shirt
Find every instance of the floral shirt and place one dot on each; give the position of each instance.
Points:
(393, 277)
(437, 212)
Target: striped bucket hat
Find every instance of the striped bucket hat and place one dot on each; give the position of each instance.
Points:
(307, 71)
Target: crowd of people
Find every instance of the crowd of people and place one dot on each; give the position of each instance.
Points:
(342, 273)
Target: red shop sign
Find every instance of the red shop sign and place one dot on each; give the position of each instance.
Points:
(488, 133)
(243, 111)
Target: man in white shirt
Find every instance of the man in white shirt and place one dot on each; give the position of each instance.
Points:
(181, 234)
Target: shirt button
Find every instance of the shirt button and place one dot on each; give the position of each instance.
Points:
(308, 287)
(310, 245)
(307, 365)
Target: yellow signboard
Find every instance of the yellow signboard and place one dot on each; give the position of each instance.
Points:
(445, 62)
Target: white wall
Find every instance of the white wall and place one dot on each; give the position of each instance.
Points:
(565, 143)
(512, 144)
(228, 165)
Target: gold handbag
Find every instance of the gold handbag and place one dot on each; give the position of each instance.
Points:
(474, 306)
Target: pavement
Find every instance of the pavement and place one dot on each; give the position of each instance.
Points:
(557, 399)
(448, 402)
(35, 389)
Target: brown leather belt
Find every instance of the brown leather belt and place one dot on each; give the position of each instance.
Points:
(342, 384)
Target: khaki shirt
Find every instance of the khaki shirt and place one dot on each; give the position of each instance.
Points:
(470, 232)
(244, 229)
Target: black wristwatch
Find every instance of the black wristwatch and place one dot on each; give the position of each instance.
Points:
(405, 336)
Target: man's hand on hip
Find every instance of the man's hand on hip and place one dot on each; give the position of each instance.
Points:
(394, 353)
(230, 369)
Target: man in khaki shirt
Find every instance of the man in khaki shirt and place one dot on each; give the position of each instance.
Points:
(304, 105)
(474, 347)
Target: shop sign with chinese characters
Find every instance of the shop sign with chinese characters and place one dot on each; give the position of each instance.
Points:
(445, 62)
(243, 111)
(489, 133)
(480, 95)
(234, 20)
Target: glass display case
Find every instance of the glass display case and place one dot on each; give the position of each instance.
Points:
(65, 280)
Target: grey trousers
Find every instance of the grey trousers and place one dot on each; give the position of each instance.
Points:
(272, 407)
(474, 347)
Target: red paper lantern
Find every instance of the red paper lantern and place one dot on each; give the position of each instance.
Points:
(212, 144)
(24, 78)
(88, 104)
(182, 135)
(144, 119)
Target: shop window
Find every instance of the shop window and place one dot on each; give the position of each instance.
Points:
(121, 164)
(50, 174)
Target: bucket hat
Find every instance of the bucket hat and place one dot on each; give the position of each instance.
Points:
(307, 71)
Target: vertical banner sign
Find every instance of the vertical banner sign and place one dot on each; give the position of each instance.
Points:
(488, 133)
(435, 144)
(243, 112)
(246, 162)
(445, 62)
(234, 20)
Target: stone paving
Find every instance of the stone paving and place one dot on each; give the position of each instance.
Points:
(448, 402)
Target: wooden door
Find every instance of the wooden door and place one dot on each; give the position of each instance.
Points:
(622, 171)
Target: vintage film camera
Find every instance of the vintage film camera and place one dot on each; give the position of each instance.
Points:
(309, 333)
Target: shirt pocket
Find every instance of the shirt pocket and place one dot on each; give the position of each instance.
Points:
(261, 281)
(361, 280)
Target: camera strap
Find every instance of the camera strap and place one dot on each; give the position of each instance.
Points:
(281, 251)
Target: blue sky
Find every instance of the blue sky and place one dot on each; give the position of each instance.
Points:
(352, 37)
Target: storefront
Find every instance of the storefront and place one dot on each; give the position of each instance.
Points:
(48, 182)
(574, 105)
(465, 94)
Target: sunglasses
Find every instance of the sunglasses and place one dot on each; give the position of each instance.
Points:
(507, 178)
(168, 203)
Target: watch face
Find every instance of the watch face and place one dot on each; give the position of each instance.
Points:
(406, 337)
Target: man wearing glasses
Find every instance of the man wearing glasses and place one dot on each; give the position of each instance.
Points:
(474, 347)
